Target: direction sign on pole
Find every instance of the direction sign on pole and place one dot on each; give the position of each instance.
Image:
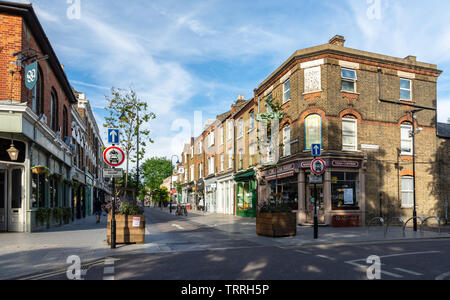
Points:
(114, 156)
(112, 173)
(318, 167)
(316, 149)
(113, 136)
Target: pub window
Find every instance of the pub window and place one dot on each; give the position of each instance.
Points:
(405, 89)
(241, 159)
(349, 134)
(38, 191)
(349, 79)
(230, 159)
(252, 120)
(287, 91)
(407, 192)
(54, 112)
(313, 134)
(37, 102)
(406, 139)
(287, 141)
(345, 190)
(65, 123)
(222, 162)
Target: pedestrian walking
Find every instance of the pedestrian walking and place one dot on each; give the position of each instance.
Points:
(98, 209)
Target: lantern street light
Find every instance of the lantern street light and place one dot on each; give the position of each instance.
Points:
(13, 153)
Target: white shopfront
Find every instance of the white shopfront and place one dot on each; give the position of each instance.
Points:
(225, 195)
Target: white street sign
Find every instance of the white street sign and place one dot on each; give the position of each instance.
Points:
(112, 173)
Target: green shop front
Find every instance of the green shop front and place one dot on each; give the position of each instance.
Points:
(246, 194)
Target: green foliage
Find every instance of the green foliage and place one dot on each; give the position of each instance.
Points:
(44, 215)
(129, 115)
(155, 170)
(273, 207)
(160, 195)
(58, 214)
(67, 214)
(129, 209)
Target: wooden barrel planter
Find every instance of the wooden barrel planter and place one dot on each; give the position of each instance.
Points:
(127, 231)
(276, 224)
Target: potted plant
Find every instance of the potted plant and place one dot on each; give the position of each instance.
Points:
(67, 215)
(40, 170)
(44, 215)
(58, 215)
(276, 220)
(130, 224)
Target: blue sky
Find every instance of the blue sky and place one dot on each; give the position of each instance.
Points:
(186, 56)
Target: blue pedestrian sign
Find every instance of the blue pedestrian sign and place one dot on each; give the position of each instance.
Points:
(113, 136)
(316, 149)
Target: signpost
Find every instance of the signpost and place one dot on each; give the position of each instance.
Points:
(114, 157)
(318, 167)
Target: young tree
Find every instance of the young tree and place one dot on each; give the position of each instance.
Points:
(129, 114)
(155, 170)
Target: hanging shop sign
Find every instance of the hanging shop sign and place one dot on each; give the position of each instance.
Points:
(31, 75)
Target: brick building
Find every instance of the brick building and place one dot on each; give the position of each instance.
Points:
(37, 122)
(360, 107)
(331, 96)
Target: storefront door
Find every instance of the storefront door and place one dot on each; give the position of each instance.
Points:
(3, 196)
(310, 193)
(15, 201)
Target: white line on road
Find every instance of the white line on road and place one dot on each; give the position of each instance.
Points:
(443, 276)
(302, 252)
(326, 257)
(177, 226)
(408, 272)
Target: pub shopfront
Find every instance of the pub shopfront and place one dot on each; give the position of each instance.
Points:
(341, 193)
(246, 194)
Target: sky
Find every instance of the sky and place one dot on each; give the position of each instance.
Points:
(185, 56)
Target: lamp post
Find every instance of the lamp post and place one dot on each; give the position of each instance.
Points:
(171, 181)
(413, 135)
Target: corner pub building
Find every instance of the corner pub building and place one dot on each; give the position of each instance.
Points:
(34, 122)
(331, 96)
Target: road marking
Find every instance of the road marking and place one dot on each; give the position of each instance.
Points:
(391, 274)
(443, 276)
(326, 257)
(108, 270)
(302, 252)
(408, 272)
(177, 226)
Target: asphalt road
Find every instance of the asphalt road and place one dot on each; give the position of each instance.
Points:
(195, 252)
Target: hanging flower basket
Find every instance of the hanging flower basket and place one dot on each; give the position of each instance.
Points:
(40, 170)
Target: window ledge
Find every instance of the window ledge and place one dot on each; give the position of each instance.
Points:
(312, 92)
(347, 92)
(407, 206)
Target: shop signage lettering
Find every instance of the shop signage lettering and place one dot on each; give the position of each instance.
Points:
(345, 164)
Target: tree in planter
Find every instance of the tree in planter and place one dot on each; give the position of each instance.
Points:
(129, 114)
(44, 215)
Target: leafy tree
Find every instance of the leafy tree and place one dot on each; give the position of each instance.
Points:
(160, 195)
(129, 114)
(155, 170)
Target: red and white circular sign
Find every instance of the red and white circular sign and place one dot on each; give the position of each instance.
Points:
(318, 166)
(114, 156)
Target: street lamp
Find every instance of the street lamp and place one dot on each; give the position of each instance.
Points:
(171, 181)
(413, 135)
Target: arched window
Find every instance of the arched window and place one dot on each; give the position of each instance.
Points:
(349, 133)
(65, 123)
(37, 104)
(54, 124)
(313, 131)
(406, 139)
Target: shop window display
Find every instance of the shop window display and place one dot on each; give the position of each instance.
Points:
(345, 190)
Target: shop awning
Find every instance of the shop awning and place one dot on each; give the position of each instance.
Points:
(280, 176)
(245, 176)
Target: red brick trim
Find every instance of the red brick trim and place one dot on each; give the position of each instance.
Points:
(407, 173)
(351, 111)
(311, 111)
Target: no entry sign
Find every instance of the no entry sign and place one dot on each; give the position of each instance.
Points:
(318, 167)
(114, 156)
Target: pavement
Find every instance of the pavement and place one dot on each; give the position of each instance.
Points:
(24, 255)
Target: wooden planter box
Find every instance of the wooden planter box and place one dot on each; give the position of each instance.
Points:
(276, 224)
(126, 233)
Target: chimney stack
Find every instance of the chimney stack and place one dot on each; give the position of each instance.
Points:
(337, 40)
